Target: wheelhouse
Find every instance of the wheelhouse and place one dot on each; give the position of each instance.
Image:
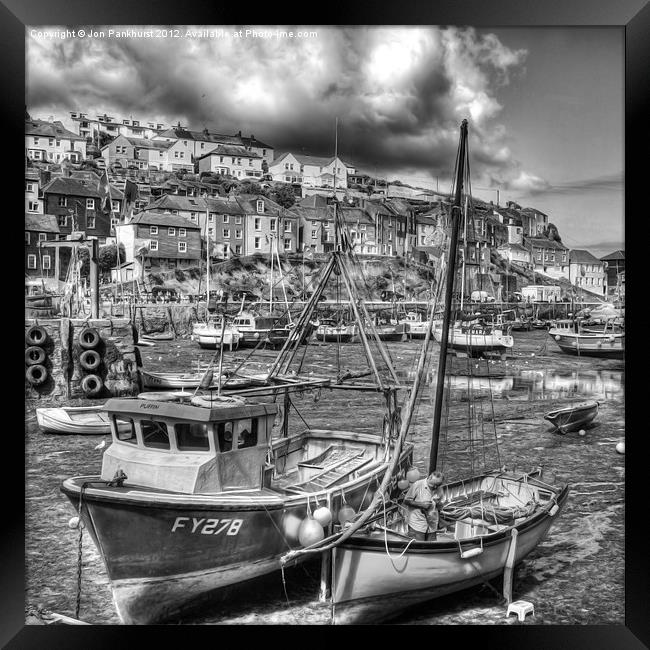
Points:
(188, 448)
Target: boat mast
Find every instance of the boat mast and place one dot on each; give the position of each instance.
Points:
(451, 265)
(207, 262)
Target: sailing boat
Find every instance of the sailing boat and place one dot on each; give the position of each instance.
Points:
(210, 333)
(494, 518)
(198, 494)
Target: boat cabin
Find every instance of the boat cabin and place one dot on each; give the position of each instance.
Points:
(186, 447)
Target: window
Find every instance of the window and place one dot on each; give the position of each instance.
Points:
(287, 244)
(154, 245)
(287, 226)
(114, 222)
(47, 262)
(314, 223)
(175, 154)
(258, 224)
(125, 428)
(182, 247)
(273, 224)
(238, 219)
(27, 238)
(182, 232)
(260, 205)
(115, 206)
(313, 234)
(30, 187)
(539, 257)
(192, 436)
(256, 245)
(238, 249)
(153, 230)
(246, 433)
(226, 233)
(155, 434)
(62, 220)
(42, 236)
(224, 436)
(239, 161)
(171, 232)
(238, 233)
(226, 218)
(31, 261)
(90, 223)
(36, 141)
(63, 201)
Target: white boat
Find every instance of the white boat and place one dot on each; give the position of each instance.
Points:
(572, 338)
(330, 330)
(84, 420)
(490, 520)
(174, 380)
(476, 337)
(417, 328)
(208, 335)
(256, 329)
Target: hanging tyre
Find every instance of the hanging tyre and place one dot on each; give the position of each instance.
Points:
(35, 335)
(89, 338)
(36, 374)
(89, 359)
(91, 385)
(34, 355)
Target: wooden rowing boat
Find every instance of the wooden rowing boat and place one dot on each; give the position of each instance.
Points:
(574, 417)
(83, 420)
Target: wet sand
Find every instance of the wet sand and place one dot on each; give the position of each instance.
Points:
(575, 576)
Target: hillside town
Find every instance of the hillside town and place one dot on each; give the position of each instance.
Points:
(158, 198)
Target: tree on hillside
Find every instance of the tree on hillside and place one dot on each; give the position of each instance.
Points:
(248, 187)
(104, 139)
(284, 195)
(552, 233)
(107, 258)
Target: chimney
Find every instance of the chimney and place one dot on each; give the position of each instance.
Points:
(239, 134)
(252, 137)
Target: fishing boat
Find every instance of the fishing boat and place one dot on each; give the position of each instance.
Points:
(81, 420)
(474, 335)
(493, 518)
(417, 327)
(572, 338)
(173, 380)
(209, 335)
(201, 492)
(257, 329)
(574, 417)
(152, 337)
(330, 330)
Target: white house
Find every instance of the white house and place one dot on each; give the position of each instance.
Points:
(587, 272)
(88, 127)
(33, 202)
(231, 160)
(311, 171)
(52, 142)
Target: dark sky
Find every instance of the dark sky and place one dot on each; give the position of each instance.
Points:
(399, 95)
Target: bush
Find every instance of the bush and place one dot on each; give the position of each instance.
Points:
(179, 274)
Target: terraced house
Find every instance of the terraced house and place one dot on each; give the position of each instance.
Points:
(311, 171)
(148, 154)
(155, 241)
(76, 204)
(52, 142)
(548, 256)
(41, 262)
(230, 160)
(587, 272)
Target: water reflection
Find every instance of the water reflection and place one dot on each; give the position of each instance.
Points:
(534, 385)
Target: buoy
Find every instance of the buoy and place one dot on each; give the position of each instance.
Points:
(403, 484)
(346, 514)
(620, 447)
(413, 474)
(75, 522)
(323, 515)
(310, 532)
(582, 432)
(557, 337)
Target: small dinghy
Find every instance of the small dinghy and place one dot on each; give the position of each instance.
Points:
(573, 417)
(85, 420)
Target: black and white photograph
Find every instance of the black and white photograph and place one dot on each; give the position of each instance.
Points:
(325, 325)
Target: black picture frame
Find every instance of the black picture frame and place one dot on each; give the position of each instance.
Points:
(631, 15)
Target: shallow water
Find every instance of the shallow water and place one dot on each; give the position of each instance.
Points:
(575, 576)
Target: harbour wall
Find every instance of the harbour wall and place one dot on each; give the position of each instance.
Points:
(68, 358)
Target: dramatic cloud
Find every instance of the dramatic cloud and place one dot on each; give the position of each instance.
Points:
(399, 93)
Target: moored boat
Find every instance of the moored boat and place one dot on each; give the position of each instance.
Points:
(417, 327)
(83, 420)
(474, 338)
(574, 417)
(196, 495)
(572, 338)
(210, 334)
(174, 380)
(331, 330)
(255, 329)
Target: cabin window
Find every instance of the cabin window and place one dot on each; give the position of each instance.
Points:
(224, 435)
(192, 436)
(125, 429)
(247, 433)
(155, 434)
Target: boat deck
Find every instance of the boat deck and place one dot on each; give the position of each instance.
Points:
(331, 467)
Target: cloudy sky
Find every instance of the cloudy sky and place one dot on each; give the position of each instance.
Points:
(545, 105)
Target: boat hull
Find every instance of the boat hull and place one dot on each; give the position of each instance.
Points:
(590, 345)
(167, 552)
(573, 418)
(72, 420)
(158, 381)
(473, 343)
(370, 586)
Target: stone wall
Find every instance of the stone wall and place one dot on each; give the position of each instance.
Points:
(119, 358)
